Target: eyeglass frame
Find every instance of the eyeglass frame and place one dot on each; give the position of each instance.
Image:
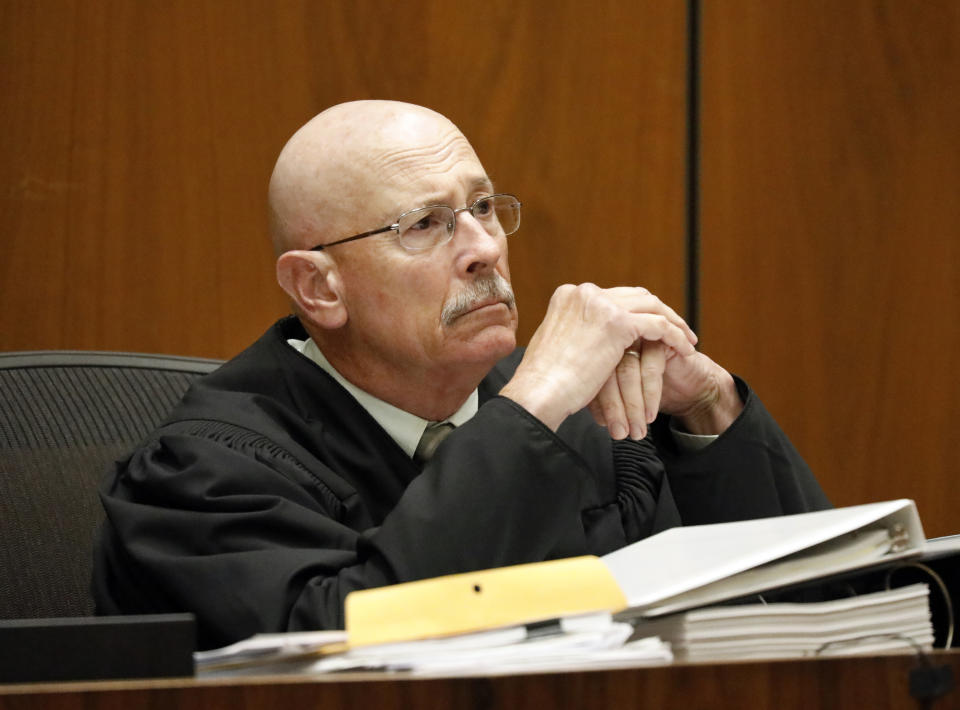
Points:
(396, 225)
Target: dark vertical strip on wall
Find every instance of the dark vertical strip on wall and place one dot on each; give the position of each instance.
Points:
(693, 166)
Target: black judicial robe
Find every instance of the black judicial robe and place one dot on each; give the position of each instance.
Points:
(270, 493)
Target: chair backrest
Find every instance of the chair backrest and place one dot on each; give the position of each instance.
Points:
(64, 417)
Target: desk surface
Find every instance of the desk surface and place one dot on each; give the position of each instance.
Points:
(877, 682)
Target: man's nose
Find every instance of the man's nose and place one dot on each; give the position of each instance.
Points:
(477, 249)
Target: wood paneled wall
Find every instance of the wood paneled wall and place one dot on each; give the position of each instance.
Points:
(831, 267)
(138, 137)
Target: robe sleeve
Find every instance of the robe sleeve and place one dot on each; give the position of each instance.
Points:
(750, 471)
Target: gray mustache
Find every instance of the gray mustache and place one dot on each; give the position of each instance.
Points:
(483, 289)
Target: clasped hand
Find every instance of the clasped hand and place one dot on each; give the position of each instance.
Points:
(624, 354)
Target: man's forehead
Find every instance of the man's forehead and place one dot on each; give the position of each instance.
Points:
(428, 153)
(442, 171)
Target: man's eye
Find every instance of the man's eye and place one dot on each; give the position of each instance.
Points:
(426, 220)
(483, 208)
(423, 223)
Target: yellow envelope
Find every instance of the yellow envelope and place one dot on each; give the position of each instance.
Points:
(479, 601)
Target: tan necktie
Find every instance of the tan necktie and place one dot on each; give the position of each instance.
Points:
(432, 436)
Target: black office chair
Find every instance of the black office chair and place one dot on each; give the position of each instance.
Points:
(64, 417)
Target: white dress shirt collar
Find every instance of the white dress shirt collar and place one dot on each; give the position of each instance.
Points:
(403, 427)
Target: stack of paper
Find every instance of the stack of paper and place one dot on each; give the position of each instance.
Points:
(278, 653)
(580, 641)
(892, 620)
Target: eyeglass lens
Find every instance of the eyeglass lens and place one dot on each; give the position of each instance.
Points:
(429, 226)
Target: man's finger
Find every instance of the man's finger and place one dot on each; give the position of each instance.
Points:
(597, 412)
(650, 327)
(611, 406)
(632, 393)
(640, 300)
(653, 363)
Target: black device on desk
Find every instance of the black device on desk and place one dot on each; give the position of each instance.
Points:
(97, 648)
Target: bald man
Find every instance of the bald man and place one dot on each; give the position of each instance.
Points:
(390, 430)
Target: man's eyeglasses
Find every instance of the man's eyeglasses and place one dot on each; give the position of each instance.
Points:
(427, 227)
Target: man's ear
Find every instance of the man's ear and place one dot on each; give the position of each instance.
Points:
(313, 284)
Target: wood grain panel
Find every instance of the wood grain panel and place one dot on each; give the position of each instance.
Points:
(138, 138)
(831, 271)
